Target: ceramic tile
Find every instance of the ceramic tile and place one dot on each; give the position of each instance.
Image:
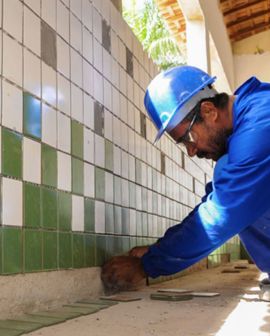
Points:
(89, 180)
(76, 67)
(63, 98)
(125, 168)
(63, 57)
(12, 250)
(99, 118)
(117, 160)
(12, 202)
(88, 145)
(117, 187)
(97, 25)
(87, 15)
(62, 21)
(122, 54)
(63, 132)
(98, 87)
(117, 220)
(109, 218)
(88, 111)
(99, 217)
(116, 131)
(32, 31)
(64, 211)
(32, 73)
(132, 220)
(32, 250)
(65, 250)
(75, 33)
(34, 5)
(48, 12)
(77, 213)
(88, 77)
(87, 45)
(11, 153)
(109, 189)
(131, 170)
(12, 60)
(76, 8)
(77, 139)
(108, 127)
(97, 48)
(115, 102)
(108, 155)
(48, 84)
(31, 161)
(99, 151)
(49, 125)
(108, 96)
(106, 36)
(48, 45)
(89, 215)
(125, 193)
(132, 195)
(76, 103)
(99, 184)
(49, 165)
(12, 18)
(49, 208)
(64, 171)
(49, 245)
(31, 205)
(115, 73)
(78, 253)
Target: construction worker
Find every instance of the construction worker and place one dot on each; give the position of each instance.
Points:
(231, 130)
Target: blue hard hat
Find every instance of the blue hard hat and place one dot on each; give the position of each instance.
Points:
(170, 95)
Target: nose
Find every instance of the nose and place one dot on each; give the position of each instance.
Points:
(191, 149)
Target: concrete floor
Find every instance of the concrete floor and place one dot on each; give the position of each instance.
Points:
(236, 311)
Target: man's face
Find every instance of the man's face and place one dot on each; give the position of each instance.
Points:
(210, 138)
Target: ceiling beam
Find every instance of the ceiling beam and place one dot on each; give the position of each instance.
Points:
(250, 17)
(237, 8)
(237, 35)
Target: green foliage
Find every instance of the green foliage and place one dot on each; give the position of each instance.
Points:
(151, 30)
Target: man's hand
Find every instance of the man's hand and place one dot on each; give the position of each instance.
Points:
(122, 273)
(138, 251)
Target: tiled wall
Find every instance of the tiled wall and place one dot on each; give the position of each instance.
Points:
(80, 178)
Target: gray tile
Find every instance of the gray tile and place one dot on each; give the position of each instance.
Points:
(144, 199)
(162, 164)
(109, 218)
(117, 220)
(125, 221)
(117, 186)
(108, 155)
(144, 224)
(99, 183)
(99, 118)
(106, 36)
(48, 45)
(138, 223)
(132, 195)
(138, 171)
(129, 62)
(143, 125)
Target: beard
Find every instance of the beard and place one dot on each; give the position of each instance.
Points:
(217, 144)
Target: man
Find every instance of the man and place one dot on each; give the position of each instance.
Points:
(183, 103)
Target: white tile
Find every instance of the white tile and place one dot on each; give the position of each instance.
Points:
(98, 87)
(77, 213)
(63, 57)
(97, 25)
(12, 18)
(107, 64)
(48, 125)
(87, 45)
(76, 8)
(115, 101)
(75, 33)
(32, 73)
(76, 103)
(99, 151)
(48, 12)
(115, 18)
(122, 54)
(63, 132)
(63, 94)
(12, 113)
(88, 111)
(116, 160)
(106, 10)
(89, 180)
(76, 68)
(87, 15)
(97, 55)
(31, 161)
(34, 5)
(131, 170)
(125, 164)
(124, 137)
(108, 187)
(12, 60)
(130, 91)
(125, 193)
(123, 81)
(12, 202)
(99, 217)
(31, 31)
(115, 73)
(66, 2)
(48, 84)
(131, 141)
(64, 171)
(62, 21)
(88, 79)
(130, 112)
(114, 45)
(88, 146)
(123, 108)
(108, 94)
(116, 131)
(132, 222)
(108, 125)
(98, 5)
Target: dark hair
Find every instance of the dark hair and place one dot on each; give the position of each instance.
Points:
(220, 100)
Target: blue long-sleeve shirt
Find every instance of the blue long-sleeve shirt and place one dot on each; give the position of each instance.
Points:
(239, 199)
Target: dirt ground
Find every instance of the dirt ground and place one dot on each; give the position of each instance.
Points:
(237, 311)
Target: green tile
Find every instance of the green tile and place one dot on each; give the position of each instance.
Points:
(20, 325)
(10, 332)
(89, 215)
(109, 218)
(58, 313)
(117, 186)
(12, 250)
(31, 116)
(77, 176)
(108, 155)
(132, 195)
(65, 250)
(117, 220)
(44, 320)
(32, 205)
(78, 250)
(49, 208)
(100, 183)
(113, 246)
(90, 242)
(50, 250)
(125, 244)
(81, 309)
(32, 250)
(64, 211)
(100, 250)
(76, 139)
(125, 221)
(11, 153)
(49, 165)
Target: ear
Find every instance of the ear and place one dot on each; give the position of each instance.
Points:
(209, 111)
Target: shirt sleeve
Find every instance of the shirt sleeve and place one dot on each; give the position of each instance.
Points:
(241, 194)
